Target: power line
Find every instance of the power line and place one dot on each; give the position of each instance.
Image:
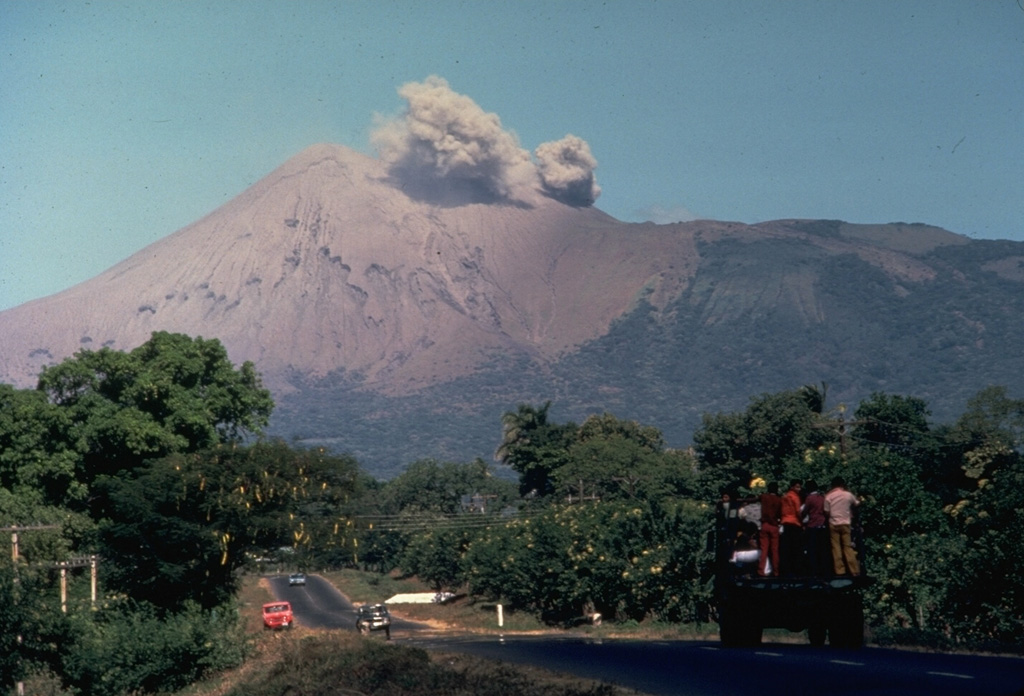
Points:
(405, 523)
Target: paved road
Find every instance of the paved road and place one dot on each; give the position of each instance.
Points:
(692, 668)
(697, 668)
(318, 604)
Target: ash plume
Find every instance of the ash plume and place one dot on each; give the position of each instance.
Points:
(566, 170)
(446, 148)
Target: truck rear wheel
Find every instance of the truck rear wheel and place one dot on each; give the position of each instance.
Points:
(816, 634)
(846, 630)
(737, 629)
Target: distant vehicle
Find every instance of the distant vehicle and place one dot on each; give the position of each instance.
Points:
(277, 615)
(297, 579)
(373, 617)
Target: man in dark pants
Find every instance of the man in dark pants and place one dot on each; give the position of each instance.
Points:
(728, 522)
(791, 546)
(816, 548)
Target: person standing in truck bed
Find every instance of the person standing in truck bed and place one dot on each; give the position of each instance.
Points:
(771, 517)
(816, 544)
(839, 504)
(790, 544)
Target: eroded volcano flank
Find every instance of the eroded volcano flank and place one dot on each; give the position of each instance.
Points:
(325, 265)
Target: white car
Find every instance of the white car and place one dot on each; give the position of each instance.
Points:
(297, 579)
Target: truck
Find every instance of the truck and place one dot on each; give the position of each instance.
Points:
(829, 607)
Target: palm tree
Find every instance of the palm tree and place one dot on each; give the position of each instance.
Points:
(814, 397)
(516, 427)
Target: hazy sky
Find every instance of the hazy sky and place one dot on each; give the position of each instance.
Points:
(121, 122)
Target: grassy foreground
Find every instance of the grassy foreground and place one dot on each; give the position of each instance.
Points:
(340, 663)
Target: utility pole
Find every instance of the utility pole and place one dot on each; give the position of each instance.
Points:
(14, 529)
(592, 496)
(91, 562)
(842, 427)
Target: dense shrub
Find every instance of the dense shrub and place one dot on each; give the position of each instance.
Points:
(128, 647)
(629, 560)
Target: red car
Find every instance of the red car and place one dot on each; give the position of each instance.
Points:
(277, 615)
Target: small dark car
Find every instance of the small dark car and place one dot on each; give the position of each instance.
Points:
(373, 617)
(296, 579)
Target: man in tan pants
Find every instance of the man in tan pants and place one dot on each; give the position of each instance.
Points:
(839, 504)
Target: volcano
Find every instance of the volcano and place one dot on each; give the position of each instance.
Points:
(397, 325)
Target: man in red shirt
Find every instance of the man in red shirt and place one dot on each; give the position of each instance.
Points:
(771, 518)
(790, 545)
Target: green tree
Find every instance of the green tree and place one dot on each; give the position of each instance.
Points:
(895, 501)
(37, 459)
(723, 453)
(623, 559)
(986, 599)
(32, 627)
(179, 529)
(428, 485)
(910, 599)
(609, 458)
(171, 394)
(533, 447)
(436, 557)
(766, 440)
(522, 563)
(380, 549)
(988, 436)
(612, 458)
(898, 423)
(606, 426)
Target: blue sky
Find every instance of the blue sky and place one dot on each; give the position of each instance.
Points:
(121, 122)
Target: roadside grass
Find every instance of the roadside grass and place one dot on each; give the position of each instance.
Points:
(462, 613)
(474, 616)
(253, 593)
(363, 587)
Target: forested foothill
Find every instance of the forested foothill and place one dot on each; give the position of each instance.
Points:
(149, 465)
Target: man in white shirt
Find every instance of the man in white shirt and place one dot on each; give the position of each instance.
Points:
(839, 504)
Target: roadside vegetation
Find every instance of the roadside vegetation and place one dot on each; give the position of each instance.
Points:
(149, 467)
(327, 664)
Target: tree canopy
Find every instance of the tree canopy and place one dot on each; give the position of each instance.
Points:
(764, 441)
(179, 529)
(171, 394)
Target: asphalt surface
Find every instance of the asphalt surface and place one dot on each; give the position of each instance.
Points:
(701, 668)
(695, 668)
(318, 604)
